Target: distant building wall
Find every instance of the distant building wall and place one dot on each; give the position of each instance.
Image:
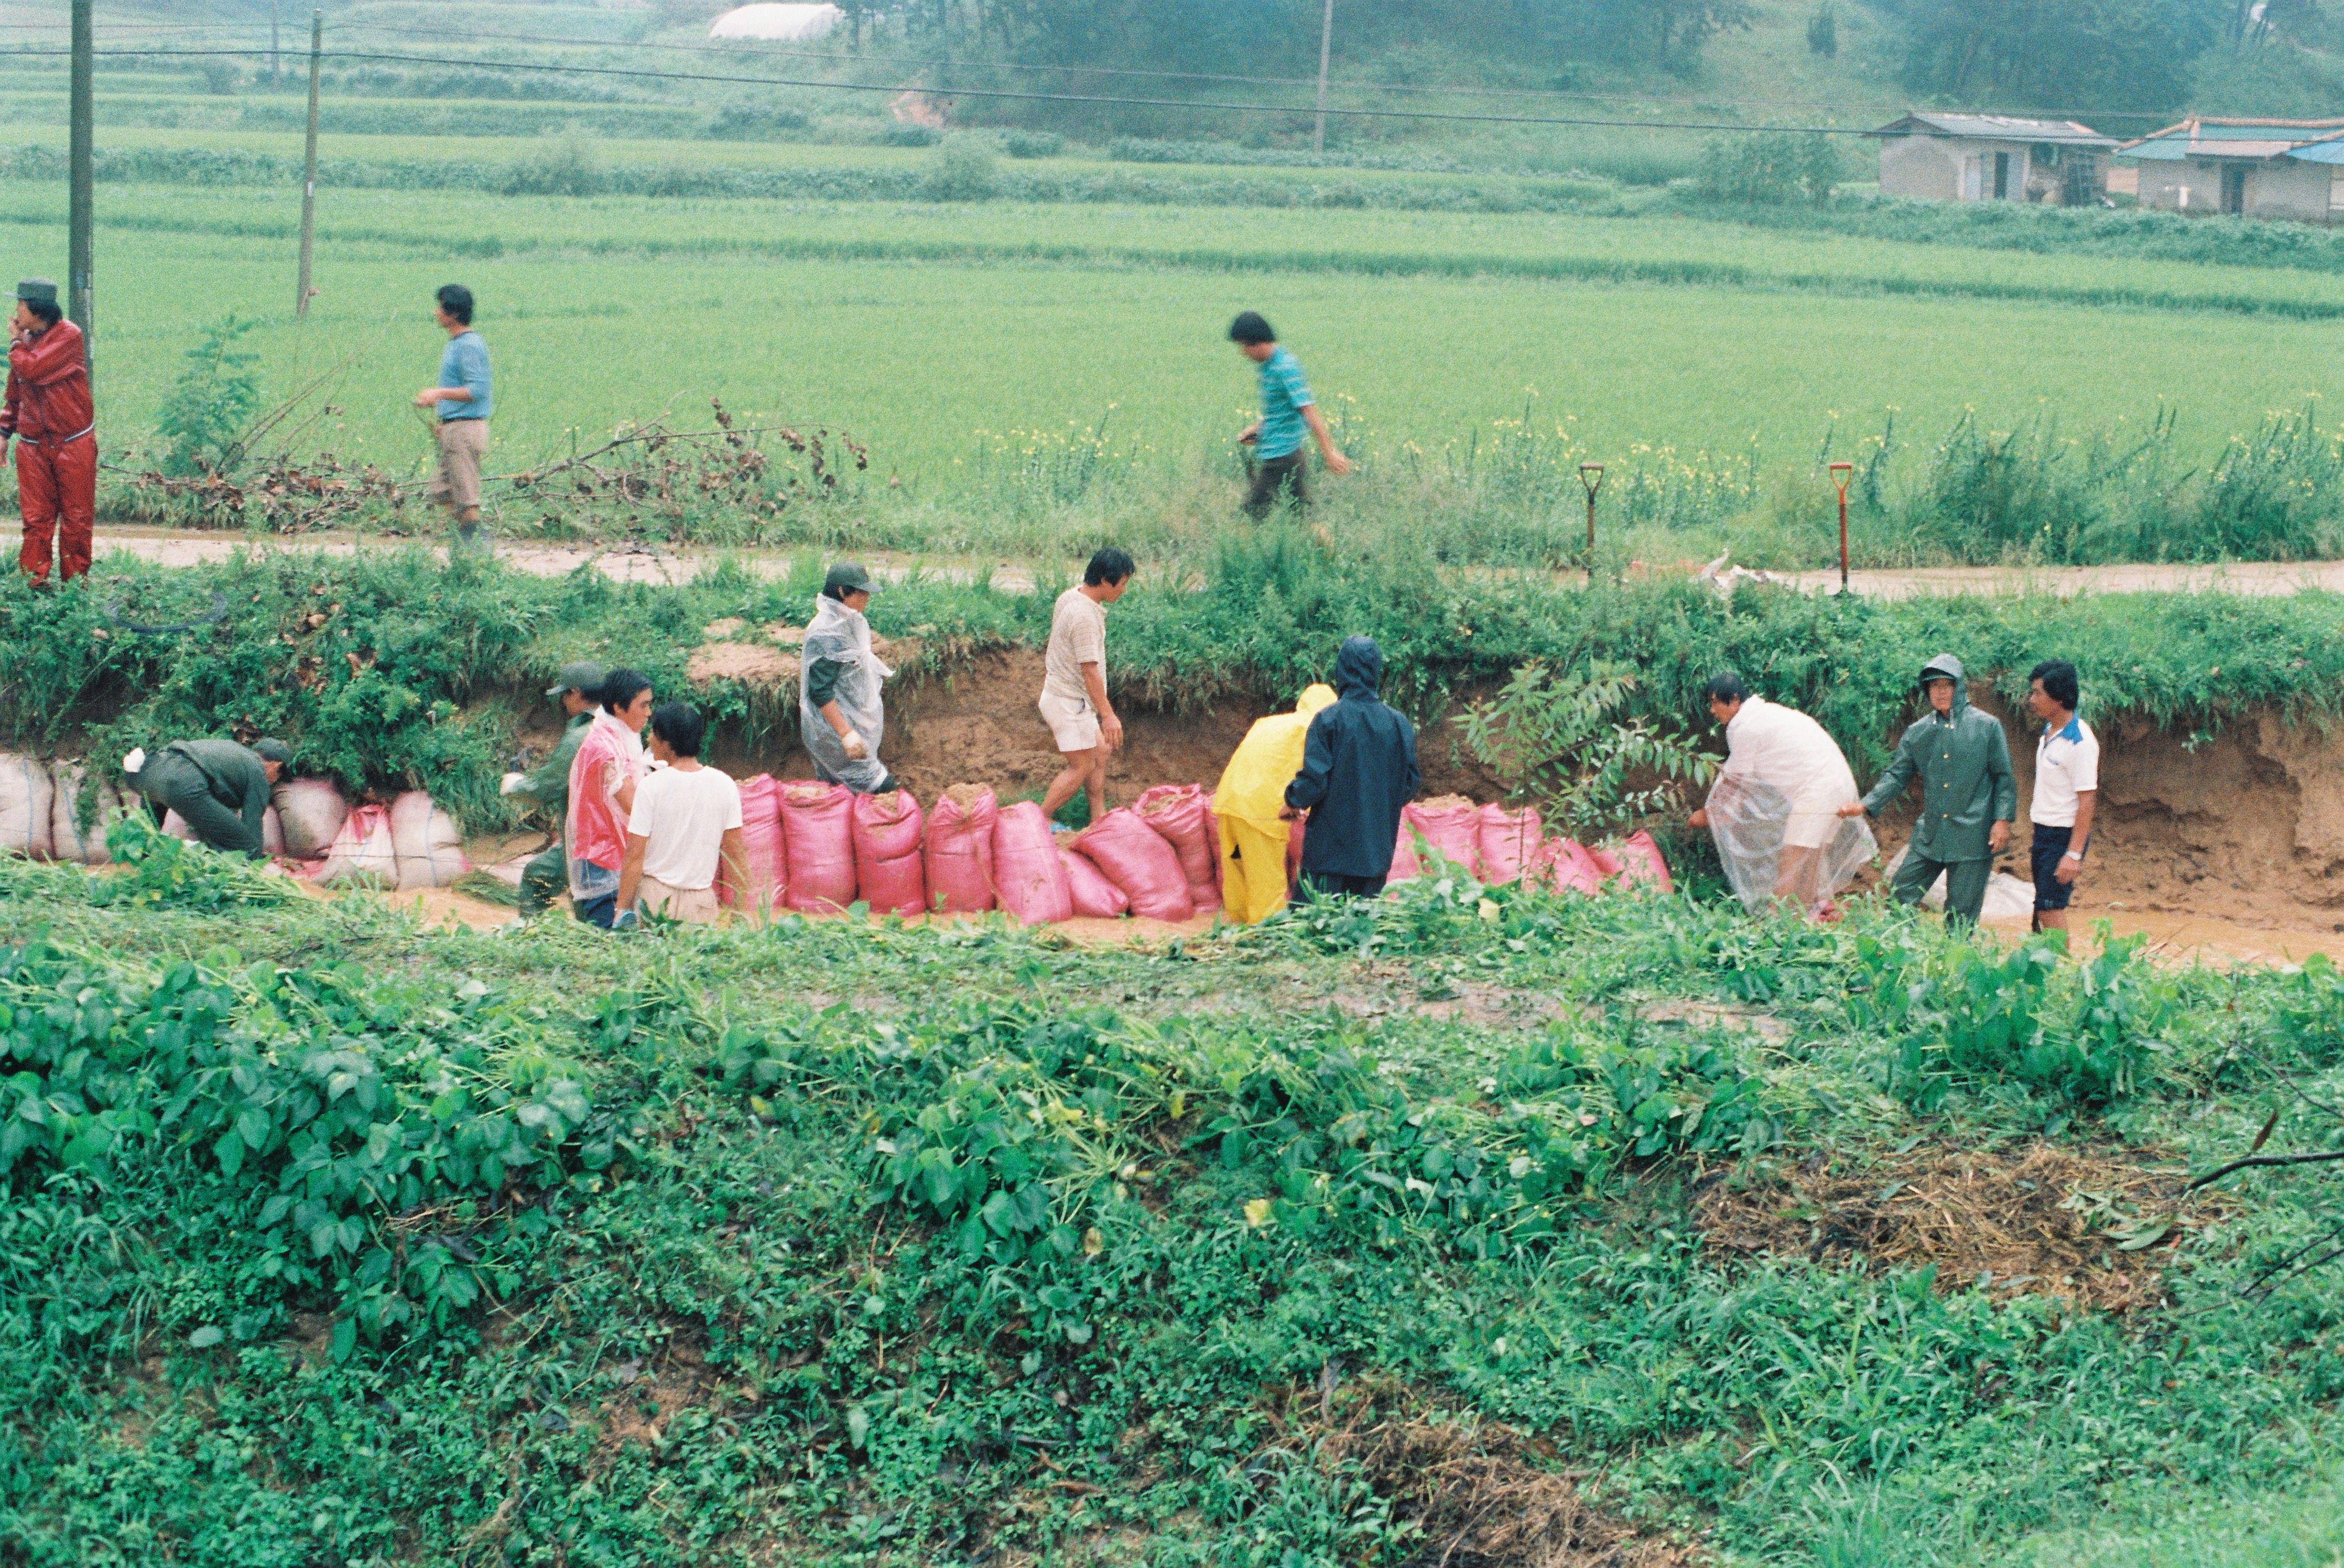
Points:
(2281, 189)
(2287, 188)
(2186, 185)
(1946, 168)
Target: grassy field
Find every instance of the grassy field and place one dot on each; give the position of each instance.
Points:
(868, 316)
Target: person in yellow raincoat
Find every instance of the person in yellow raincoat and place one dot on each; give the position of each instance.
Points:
(1251, 794)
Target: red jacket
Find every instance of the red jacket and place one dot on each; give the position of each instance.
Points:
(48, 388)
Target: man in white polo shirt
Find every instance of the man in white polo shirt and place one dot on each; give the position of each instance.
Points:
(2067, 789)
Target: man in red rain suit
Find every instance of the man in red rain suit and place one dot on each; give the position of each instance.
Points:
(47, 409)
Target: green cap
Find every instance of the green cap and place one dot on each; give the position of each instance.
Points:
(272, 750)
(846, 577)
(37, 291)
(585, 675)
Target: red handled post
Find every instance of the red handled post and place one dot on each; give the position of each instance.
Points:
(1591, 476)
(1841, 473)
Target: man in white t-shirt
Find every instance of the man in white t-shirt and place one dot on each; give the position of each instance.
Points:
(2067, 789)
(685, 818)
(1082, 722)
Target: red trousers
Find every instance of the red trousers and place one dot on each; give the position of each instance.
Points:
(56, 489)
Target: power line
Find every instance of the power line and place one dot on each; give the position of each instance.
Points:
(1457, 90)
(998, 94)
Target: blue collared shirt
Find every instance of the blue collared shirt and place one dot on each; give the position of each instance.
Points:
(1284, 395)
(465, 363)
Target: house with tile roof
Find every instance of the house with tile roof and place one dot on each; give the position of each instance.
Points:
(2245, 167)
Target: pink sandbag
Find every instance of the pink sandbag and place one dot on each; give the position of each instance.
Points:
(429, 846)
(1026, 870)
(1405, 867)
(1509, 841)
(1140, 861)
(960, 850)
(761, 846)
(1573, 866)
(363, 850)
(1094, 897)
(1451, 826)
(818, 846)
(887, 864)
(1637, 859)
(1183, 814)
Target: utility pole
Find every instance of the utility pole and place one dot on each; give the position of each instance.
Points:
(309, 167)
(79, 178)
(1326, 47)
(273, 7)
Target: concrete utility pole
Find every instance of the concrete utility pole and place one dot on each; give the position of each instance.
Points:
(1326, 48)
(309, 167)
(79, 177)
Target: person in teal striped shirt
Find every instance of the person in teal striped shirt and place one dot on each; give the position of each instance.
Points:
(1287, 408)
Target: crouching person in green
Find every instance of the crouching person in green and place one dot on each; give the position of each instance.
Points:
(547, 876)
(220, 788)
(1969, 796)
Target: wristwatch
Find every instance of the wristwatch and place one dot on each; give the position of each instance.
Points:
(2073, 854)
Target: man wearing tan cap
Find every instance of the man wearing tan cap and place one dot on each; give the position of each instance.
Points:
(47, 409)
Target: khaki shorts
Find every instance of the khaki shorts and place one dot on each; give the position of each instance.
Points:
(1073, 725)
(456, 480)
(692, 906)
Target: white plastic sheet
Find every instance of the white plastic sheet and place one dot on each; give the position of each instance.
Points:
(1773, 811)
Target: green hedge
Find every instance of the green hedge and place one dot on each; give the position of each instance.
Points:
(385, 668)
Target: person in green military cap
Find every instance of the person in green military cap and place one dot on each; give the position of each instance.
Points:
(220, 788)
(547, 877)
(840, 711)
(1970, 796)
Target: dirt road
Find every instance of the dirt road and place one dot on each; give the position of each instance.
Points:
(640, 565)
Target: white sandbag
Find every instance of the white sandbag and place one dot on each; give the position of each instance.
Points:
(2006, 897)
(363, 851)
(429, 848)
(27, 798)
(313, 812)
(68, 840)
(272, 830)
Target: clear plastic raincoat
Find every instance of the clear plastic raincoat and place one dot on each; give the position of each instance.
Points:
(1775, 810)
(837, 633)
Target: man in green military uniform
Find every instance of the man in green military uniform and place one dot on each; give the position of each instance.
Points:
(218, 787)
(1963, 760)
(547, 877)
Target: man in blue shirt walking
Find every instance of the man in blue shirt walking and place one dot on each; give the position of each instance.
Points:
(463, 403)
(1286, 408)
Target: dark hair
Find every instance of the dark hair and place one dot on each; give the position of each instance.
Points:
(1725, 686)
(1250, 328)
(681, 727)
(2060, 684)
(1109, 565)
(457, 300)
(47, 310)
(622, 686)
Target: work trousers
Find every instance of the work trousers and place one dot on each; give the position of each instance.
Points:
(1335, 885)
(56, 489)
(544, 879)
(1274, 479)
(172, 783)
(1965, 883)
(1253, 870)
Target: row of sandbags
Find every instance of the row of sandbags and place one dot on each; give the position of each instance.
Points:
(1497, 846)
(818, 847)
(409, 844)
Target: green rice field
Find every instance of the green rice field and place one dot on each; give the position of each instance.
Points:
(932, 328)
